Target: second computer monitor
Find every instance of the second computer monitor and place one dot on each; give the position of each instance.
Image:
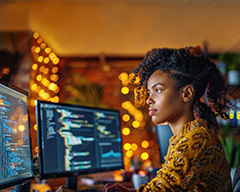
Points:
(76, 140)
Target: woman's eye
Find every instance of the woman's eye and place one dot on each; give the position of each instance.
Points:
(158, 90)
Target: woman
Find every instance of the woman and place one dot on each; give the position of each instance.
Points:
(176, 81)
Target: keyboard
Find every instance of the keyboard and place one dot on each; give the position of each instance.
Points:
(90, 190)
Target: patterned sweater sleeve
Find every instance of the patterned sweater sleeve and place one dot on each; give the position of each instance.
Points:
(187, 161)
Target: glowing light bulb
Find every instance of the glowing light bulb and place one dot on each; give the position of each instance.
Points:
(145, 144)
(135, 124)
(125, 117)
(47, 50)
(127, 146)
(134, 147)
(35, 127)
(21, 127)
(45, 71)
(40, 59)
(35, 66)
(39, 40)
(39, 77)
(43, 45)
(38, 49)
(125, 90)
(55, 69)
(144, 155)
(123, 76)
(35, 35)
(129, 153)
(34, 87)
(126, 131)
(46, 60)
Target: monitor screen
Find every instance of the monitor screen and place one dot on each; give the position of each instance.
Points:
(16, 165)
(74, 140)
(164, 133)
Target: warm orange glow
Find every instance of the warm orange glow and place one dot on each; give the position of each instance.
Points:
(1, 102)
(35, 127)
(25, 118)
(144, 155)
(35, 66)
(145, 144)
(20, 142)
(126, 131)
(125, 90)
(123, 76)
(38, 49)
(32, 103)
(5, 71)
(55, 69)
(55, 99)
(41, 68)
(40, 59)
(137, 79)
(45, 96)
(52, 55)
(135, 124)
(36, 149)
(55, 61)
(43, 45)
(46, 60)
(125, 117)
(51, 86)
(21, 127)
(134, 147)
(35, 35)
(47, 50)
(127, 146)
(129, 153)
(39, 77)
(45, 71)
(54, 77)
(39, 40)
(126, 104)
(57, 90)
(34, 87)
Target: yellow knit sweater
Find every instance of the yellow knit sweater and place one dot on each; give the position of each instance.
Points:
(195, 161)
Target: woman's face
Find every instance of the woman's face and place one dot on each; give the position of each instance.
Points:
(165, 102)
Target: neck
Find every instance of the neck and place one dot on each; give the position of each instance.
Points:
(177, 124)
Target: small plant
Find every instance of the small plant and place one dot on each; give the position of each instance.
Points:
(232, 61)
(232, 149)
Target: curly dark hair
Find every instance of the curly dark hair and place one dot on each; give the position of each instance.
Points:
(189, 66)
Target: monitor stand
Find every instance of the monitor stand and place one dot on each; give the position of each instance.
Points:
(23, 187)
(71, 182)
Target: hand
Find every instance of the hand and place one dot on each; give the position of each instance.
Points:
(116, 186)
(64, 189)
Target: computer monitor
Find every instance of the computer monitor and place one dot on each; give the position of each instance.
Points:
(16, 164)
(75, 140)
(164, 133)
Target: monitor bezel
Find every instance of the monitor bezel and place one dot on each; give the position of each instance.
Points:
(22, 181)
(59, 174)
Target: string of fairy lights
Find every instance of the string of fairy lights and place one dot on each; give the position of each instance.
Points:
(44, 73)
(133, 116)
(44, 76)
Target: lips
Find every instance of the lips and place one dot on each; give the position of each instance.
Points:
(152, 111)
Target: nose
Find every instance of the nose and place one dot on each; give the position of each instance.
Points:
(149, 100)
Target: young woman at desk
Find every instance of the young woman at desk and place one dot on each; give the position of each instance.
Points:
(176, 80)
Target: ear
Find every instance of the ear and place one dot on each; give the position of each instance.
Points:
(187, 93)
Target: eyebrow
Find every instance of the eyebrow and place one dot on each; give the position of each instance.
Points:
(156, 85)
